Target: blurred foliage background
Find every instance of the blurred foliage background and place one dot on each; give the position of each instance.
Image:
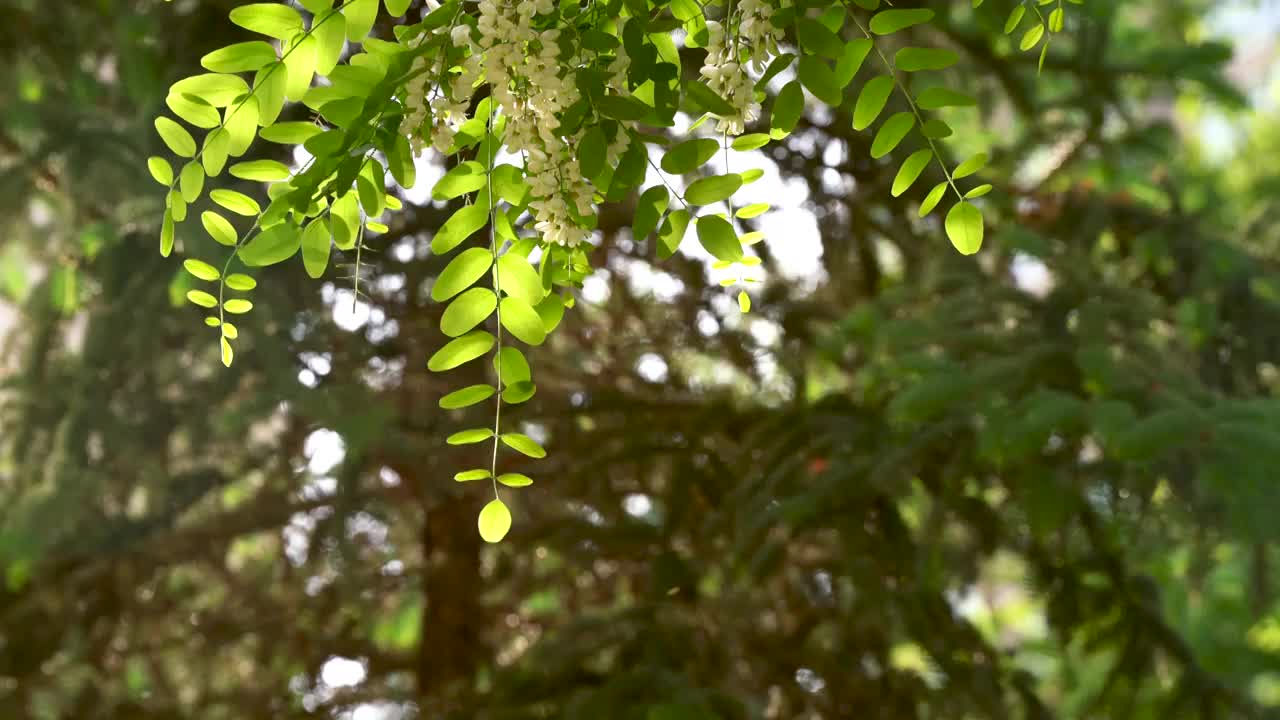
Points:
(1038, 483)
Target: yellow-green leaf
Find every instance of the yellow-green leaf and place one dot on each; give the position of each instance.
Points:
(218, 227)
(523, 444)
(468, 310)
(467, 396)
(522, 321)
(461, 350)
(495, 519)
(964, 227)
(201, 270)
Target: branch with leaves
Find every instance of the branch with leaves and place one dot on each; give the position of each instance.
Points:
(569, 99)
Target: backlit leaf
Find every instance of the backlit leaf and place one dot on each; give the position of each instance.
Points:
(461, 350)
(522, 321)
(466, 397)
(468, 310)
(964, 227)
(494, 521)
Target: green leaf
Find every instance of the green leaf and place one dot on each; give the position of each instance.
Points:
(706, 100)
(461, 350)
(751, 141)
(260, 170)
(888, 22)
(1015, 17)
(510, 184)
(271, 19)
(217, 89)
(718, 238)
(752, 210)
(708, 190)
(933, 198)
(469, 437)
(461, 225)
(591, 152)
(515, 480)
(516, 277)
(816, 38)
(914, 59)
(241, 125)
(214, 153)
(270, 85)
(236, 202)
(361, 16)
(970, 166)
(672, 232)
(964, 227)
(202, 298)
(469, 475)
(939, 97)
(191, 181)
(689, 155)
(228, 354)
(649, 208)
(891, 133)
(237, 306)
(463, 178)
(551, 310)
(744, 302)
(344, 221)
(523, 444)
(176, 137)
(397, 7)
(511, 365)
(166, 234)
(241, 282)
(518, 392)
(935, 129)
(494, 521)
(468, 310)
(160, 169)
(851, 60)
(978, 191)
(315, 247)
(239, 57)
(400, 162)
(371, 188)
(467, 396)
(272, 245)
(461, 272)
(290, 133)
(330, 32)
(787, 107)
(1031, 37)
(910, 170)
(819, 79)
(193, 110)
(871, 100)
(218, 227)
(522, 321)
(201, 270)
(622, 108)
(300, 61)
(176, 205)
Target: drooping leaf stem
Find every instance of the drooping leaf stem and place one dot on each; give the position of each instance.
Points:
(490, 146)
(911, 103)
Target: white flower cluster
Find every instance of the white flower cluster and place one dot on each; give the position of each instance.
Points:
(524, 68)
(758, 33)
(447, 111)
(726, 76)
